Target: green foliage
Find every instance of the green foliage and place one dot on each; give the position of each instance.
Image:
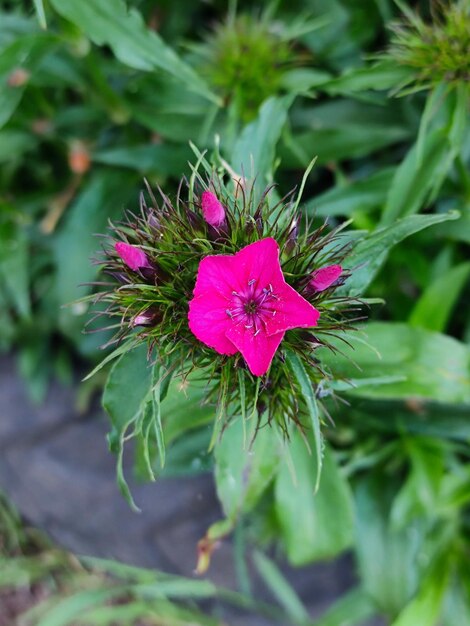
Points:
(95, 95)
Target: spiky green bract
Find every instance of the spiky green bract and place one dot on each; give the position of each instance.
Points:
(436, 51)
(244, 59)
(175, 239)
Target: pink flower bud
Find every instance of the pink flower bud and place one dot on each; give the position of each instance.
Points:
(212, 209)
(133, 257)
(324, 277)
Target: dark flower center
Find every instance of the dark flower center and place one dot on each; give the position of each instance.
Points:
(253, 306)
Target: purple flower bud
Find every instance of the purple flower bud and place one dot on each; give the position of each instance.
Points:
(133, 257)
(212, 209)
(324, 277)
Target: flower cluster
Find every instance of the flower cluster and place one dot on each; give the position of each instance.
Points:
(225, 285)
(435, 51)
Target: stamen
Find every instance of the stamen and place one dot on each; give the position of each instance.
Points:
(252, 281)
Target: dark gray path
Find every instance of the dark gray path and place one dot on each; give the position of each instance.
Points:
(55, 467)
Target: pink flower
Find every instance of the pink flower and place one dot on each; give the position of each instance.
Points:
(133, 257)
(324, 277)
(212, 209)
(243, 304)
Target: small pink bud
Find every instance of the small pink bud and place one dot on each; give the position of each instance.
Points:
(133, 257)
(324, 277)
(212, 209)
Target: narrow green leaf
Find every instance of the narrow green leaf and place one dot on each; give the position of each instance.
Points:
(433, 102)
(69, 609)
(110, 22)
(123, 348)
(379, 77)
(387, 558)
(243, 474)
(425, 608)
(40, 12)
(369, 255)
(120, 477)
(307, 391)
(415, 179)
(157, 412)
(459, 120)
(357, 196)
(280, 587)
(352, 608)
(127, 389)
(14, 266)
(254, 150)
(433, 310)
(429, 365)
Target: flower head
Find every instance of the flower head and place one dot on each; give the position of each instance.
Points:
(261, 291)
(212, 209)
(242, 303)
(435, 51)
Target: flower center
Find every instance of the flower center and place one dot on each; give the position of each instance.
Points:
(252, 306)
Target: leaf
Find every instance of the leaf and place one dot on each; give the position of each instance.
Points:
(313, 526)
(436, 367)
(419, 495)
(356, 196)
(304, 79)
(308, 394)
(183, 408)
(242, 474)
(387, 558)
(432, 311)
(425, 608)
(254, 150)
(351, 608)
(416, 178)
(459, 120)
(369, 255)
(165, 159)
(14, 266)
(110, 22)
(75, 245)
(280, 587)
(125, 397)
(41, 14)
(68, 609)
(343, 141)
(379, 77)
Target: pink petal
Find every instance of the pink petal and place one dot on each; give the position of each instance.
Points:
(292, 311)
(209, 322)
(212, 209)
(260, 261)
(133, 257)
(257, 350)
(325, 276)
(216, 274)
